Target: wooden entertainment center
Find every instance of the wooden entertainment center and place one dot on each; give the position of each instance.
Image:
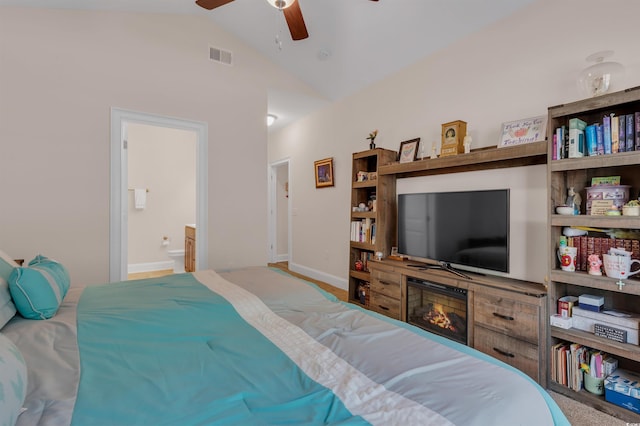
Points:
(506, 318)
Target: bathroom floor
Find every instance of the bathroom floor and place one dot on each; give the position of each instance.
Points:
(151, 274)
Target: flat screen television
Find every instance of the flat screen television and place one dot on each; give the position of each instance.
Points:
(465, 228)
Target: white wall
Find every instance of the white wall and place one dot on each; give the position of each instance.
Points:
(61, 72)
(515, 69)
(162, 160)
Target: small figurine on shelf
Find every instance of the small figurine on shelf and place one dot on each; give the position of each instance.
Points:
(362, 293)
(434, 151)
(595, 264)
(467, 143)
(372, 138)
(574, 200)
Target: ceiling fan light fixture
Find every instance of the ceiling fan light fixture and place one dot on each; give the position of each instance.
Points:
(271, 118)
(281, 4)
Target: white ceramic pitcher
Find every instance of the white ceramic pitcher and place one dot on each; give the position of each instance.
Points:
(619, 267)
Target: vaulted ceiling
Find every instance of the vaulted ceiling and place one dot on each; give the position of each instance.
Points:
(351, 43)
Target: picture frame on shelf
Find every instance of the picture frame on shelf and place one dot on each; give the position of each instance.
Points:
(527, 130)
(408, 151)
(453, 134)
(323, 170)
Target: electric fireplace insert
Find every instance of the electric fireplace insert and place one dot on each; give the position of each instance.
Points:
(437, 308)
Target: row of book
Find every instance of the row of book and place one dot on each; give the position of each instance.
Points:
(570, 360)
(587, 246)
(363, 231)
(616, 133)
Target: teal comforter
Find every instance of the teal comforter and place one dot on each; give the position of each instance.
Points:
(175, 353)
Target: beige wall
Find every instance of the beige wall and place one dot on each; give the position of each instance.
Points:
(515, 69)
(62, 71)
(162, 160)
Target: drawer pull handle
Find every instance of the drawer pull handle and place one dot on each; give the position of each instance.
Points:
(503, 353)
(504, 317)
(383, 307)
(385, 282)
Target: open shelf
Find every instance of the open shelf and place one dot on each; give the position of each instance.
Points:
(626, 350)
(481, 159)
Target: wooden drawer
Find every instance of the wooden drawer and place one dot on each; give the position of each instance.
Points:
(519, 354)
(508, 316)
(385, 305)
(387, 283)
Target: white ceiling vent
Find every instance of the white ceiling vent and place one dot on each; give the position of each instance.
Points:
(219, 55)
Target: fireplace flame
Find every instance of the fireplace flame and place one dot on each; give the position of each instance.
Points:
(438, 317)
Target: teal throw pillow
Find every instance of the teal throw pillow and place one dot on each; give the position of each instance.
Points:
(38, 290)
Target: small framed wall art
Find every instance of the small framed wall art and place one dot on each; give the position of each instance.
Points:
(453, 134)
(324, 172)
(408, 151)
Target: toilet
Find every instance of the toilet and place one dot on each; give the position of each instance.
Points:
(178, 260)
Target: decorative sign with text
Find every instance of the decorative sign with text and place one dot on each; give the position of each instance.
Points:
(523, 131)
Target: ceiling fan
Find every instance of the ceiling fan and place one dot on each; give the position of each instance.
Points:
(290, 8)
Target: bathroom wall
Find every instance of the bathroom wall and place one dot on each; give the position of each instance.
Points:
(162, 160)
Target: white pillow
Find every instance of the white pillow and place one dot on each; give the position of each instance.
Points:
(7, 308)
(13, 382)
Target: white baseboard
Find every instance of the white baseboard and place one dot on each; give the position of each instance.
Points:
(321, 276)
(282, 257)
(149, 267)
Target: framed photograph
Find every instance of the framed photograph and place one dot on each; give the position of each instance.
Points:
(519, 132)
(408, 151)
(324, 172)
(453, 134)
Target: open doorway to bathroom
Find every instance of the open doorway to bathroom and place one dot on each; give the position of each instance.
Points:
(280, 212)
(167, 201)
(162, 198)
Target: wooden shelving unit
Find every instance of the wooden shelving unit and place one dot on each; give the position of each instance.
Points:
(577, 173)
(383, 189)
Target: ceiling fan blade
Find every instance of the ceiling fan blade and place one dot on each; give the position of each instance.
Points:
(212, 4)
(295, 21)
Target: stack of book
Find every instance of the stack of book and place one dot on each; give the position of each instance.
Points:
(612, 135)
(570, 360)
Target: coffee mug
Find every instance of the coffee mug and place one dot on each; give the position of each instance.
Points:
(619, 267)
(567, 257)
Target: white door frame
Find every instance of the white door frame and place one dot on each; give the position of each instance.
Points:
(119, 206)
(273, 209)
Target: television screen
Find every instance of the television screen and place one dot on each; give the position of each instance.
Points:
(466, 228)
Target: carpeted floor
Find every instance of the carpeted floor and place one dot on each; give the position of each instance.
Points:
(582, 415)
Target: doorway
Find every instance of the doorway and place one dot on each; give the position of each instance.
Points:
(119, 209)
(279, 212)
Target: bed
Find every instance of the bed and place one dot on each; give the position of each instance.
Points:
(253, 346)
